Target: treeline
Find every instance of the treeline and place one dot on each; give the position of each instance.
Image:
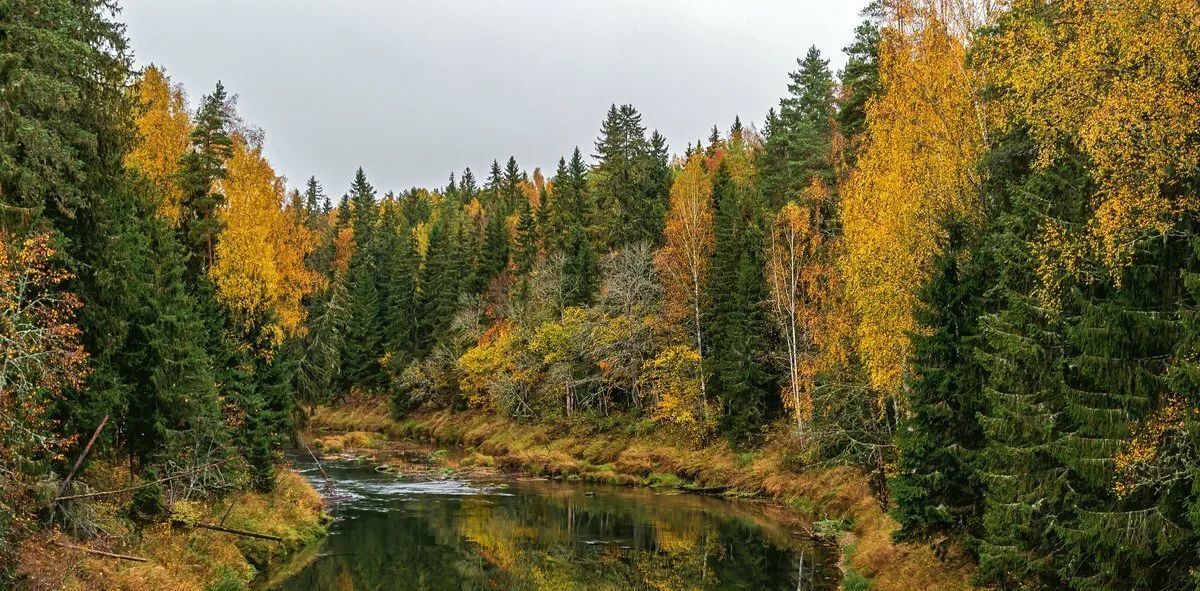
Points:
(966, 263)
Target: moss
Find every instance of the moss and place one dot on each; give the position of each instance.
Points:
(181, 557)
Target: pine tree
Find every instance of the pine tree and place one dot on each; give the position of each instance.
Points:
(526, 240)
(799, 140)
(581, 268)
(738, 292)
(1027, 499)
(202, 167)
(937, 491)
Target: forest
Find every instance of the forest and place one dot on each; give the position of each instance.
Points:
(966, 264)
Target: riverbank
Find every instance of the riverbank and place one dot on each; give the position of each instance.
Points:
(838, 498)
(178, 557)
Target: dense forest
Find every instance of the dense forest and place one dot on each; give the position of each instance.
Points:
(967, 263)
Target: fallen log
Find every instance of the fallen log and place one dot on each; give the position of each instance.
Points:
(101, 552)
(230, 530)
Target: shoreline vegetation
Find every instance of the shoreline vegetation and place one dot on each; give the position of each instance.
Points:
(836, 501)
(176, 554)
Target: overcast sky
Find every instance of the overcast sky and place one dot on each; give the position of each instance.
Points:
(414, 89)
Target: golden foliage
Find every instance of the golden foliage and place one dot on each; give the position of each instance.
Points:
(925, 138)
(674, 378)
(259, 270)
(492, 359)
(803, 284)
(1116, 81)
(164, 129)
(684, 260)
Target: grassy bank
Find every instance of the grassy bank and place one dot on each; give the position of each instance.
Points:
(838, 496)
(178, 557)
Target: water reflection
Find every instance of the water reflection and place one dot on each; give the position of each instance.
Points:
(524, 535)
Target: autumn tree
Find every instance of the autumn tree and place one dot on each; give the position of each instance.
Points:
(801, 280)
(259, 269)
(918, 165)
(685, 260)
(43, 357)
(164, 129)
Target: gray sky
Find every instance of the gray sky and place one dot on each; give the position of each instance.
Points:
(411, 90)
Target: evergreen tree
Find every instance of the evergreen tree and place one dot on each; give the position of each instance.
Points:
(937, 490)
(860, 77)
(629, 179)
(1027, 499)
(799, 140)
(362, 345)
(440, 283)
(511, 193)
(1119, 346)
(202, 166)
(580, 268)
(361, 348)
(738, 293)
(63, 134)
(400, 318)
(527, 238)
(320, 362)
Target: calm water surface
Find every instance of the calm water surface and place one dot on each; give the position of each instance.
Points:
(410, 533)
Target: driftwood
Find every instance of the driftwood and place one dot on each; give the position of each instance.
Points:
(79, 461)
(101, 552)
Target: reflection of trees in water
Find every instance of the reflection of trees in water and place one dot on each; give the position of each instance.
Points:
(547, 536)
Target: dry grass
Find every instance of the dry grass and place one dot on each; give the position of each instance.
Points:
(838, 493)
(182, 558)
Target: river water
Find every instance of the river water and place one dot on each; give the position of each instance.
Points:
(429, 532)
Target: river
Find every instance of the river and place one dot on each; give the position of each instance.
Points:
(453, 532)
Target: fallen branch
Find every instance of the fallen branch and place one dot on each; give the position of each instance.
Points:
(79, 461)
(104, 493)
(236, 532)
(101, 552)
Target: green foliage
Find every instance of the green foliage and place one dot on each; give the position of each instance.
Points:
(937, 490)
(630, 179)
(202, 167)
(738, 291)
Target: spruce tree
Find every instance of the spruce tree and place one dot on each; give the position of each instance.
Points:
(63, 133)
(525, 251)
(440, 283)
(1027, 497)
(202, 166)
(937, 490)
(320, 362)
(580, 269)
(738, 293)
(1120, 342)
(628, 173)
(798, 146)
